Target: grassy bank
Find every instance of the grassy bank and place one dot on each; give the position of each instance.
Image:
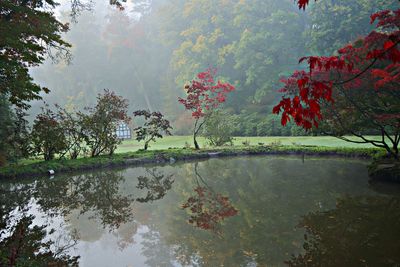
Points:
(175, 154)
(179, 142)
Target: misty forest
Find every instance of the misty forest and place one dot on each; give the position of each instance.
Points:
(199, 133)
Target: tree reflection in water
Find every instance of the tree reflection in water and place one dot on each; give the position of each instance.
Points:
(22, 244)
(157, 185)
(271, 200)
(207, 208)
(361, 231)
(100, 193)
(96, 192)
(98, 196)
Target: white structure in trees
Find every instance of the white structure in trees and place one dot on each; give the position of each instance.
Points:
(123, 131)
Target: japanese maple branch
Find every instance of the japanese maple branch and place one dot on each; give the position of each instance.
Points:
(366, 68)
(358, 75)
(373, 142)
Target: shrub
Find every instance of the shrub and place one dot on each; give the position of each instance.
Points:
(219, 128)
(47, 134)
(246, 143)
(298, 131)
(275, 143)
(187, 145)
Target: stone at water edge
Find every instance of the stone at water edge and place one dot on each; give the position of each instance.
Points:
(214, 154)
(386, 171)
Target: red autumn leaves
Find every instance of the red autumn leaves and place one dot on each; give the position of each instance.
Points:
(204, 94)
(371, 61)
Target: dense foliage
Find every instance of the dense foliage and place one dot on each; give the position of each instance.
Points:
(6, 121)
(29, 32)
(14, 133)
(338, 22)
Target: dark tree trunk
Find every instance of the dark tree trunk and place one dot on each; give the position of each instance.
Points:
(196, 145)
(195, 131)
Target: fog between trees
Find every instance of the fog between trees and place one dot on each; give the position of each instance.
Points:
(149, 50)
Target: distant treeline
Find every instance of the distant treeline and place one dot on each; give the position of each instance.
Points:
(148, 58)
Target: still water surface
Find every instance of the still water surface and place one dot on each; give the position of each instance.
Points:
(243, 211)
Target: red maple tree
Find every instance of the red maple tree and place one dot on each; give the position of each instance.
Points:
(204, 94)
(361, 82)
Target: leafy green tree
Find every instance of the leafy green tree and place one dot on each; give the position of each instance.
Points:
(252, 45)
(29, 32)
(101, 121)
(205, 32)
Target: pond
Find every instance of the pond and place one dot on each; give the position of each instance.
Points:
(240, 211)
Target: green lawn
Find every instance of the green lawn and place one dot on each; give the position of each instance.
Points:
(179, 142)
